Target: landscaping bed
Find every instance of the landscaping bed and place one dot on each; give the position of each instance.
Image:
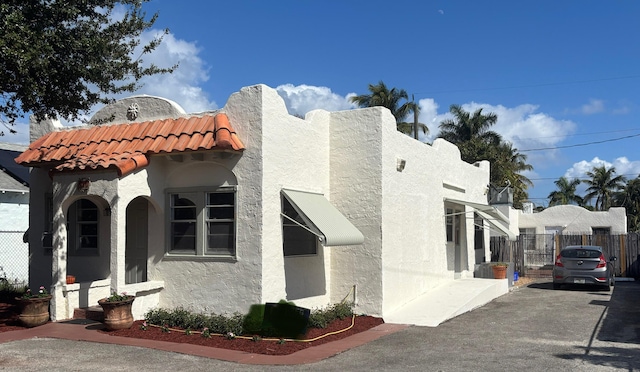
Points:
(256, 345)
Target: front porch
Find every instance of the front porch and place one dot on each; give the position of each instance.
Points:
(67, 298)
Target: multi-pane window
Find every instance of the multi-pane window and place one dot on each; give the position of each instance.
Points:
(202, 222)
(82, 223)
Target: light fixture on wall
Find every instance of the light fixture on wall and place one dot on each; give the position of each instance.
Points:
(400, 164)
(83, 184)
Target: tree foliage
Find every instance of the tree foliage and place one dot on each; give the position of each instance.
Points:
(380, 95)
(602, 185)
(566, 192)
(476, 141)
(629, 198)
(61, 57)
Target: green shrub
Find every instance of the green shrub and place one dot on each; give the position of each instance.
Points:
(321, 318)
(9, 291)
(181, 318)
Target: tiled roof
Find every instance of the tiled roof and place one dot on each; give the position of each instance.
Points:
(127, 147)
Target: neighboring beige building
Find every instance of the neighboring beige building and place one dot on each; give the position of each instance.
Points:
(248, 204)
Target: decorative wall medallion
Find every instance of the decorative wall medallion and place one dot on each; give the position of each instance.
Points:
(132, 111)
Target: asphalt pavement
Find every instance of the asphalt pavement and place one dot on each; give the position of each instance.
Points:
(533, 328)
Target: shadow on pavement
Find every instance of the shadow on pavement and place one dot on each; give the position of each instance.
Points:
(619, 324)
(570, 287)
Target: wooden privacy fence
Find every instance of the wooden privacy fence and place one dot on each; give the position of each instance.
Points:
(539, 251)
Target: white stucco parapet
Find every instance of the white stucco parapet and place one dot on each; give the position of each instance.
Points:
(574, 219)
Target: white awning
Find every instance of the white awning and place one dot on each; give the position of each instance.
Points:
(323, 219)
(494, 217)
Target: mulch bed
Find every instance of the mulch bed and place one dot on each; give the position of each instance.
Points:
(9, 311)
(261, 346)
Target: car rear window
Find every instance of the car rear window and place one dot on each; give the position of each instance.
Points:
(580, 253)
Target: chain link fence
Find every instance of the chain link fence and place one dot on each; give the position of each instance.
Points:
(14, 258)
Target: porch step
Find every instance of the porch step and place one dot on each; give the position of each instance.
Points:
(91, 313)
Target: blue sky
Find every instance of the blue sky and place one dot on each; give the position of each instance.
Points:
(559, 74)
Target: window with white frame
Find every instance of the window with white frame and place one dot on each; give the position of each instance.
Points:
(202, 222)
(82, 225)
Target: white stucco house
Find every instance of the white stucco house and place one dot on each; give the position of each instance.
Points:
(220, 210)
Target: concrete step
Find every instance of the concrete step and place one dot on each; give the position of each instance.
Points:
(92, 313)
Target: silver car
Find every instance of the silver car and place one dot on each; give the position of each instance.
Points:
(583, 264)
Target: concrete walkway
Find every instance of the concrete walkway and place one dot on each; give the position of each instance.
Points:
(447, 301)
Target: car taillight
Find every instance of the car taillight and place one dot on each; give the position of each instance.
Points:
(558, 262)
(602, 262)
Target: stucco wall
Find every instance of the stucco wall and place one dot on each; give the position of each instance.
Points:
(416, 256)
(575, 219)
(39, 258)
(401, 214)
(356, 190)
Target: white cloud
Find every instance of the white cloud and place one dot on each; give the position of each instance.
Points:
(183, 85)
(623, 166)
(304, 98)
(521, 125)
(593, 107)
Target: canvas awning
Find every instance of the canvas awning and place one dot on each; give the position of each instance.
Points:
(494, 217)
(323, 219)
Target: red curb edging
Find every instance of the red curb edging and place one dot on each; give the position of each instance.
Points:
(80, 331)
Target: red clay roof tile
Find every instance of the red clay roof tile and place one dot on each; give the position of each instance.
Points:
(127, 147)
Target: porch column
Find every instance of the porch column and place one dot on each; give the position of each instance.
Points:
(58, 265)
(117, 246)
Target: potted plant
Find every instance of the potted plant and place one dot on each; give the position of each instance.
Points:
(500, 270)
(117, 311)
(34, 307)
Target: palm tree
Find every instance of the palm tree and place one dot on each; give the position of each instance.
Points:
(629, 198)
(382, 96)
(507, 165)
(566, 193)
(466, 127)
(602, 185)
(471, 133)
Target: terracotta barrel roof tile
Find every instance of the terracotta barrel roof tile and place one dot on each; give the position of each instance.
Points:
(127, 147)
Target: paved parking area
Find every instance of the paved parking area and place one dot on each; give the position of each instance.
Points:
(532, 328)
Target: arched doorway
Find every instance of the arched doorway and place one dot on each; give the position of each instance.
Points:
(136, 246)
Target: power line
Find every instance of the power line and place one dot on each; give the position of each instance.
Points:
(581, 134)
(581, 144)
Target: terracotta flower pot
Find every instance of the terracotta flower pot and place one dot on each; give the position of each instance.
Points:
(34, 311)
(71, 279)
(117, 314)
(499, 272)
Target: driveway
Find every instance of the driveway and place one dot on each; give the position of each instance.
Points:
(532, 328)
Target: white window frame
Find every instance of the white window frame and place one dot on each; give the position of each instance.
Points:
(199, 196)
(74, 226)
